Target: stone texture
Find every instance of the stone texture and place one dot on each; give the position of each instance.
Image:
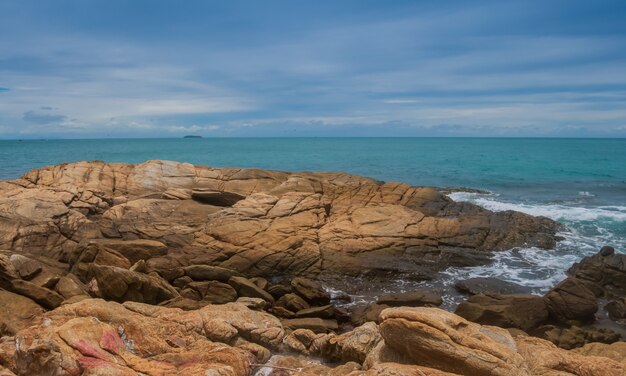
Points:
(488, 286)
(571, 300)
(411, 299)
(121, 285)
(604, 272)
(245, 287)
(17, 312)
(507, 311)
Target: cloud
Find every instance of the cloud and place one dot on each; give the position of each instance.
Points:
(42, 118)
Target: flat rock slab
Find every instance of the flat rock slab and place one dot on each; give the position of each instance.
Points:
(489, 285)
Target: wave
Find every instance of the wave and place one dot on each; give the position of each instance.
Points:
(553, 211)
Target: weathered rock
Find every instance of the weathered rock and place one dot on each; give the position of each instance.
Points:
(96, 336)
(260, 282)
(292, 302)
(571, 300)
(605, 270)
(506, 311)
(324, 312)
(615, 351)
(124, 285)
(26, 267)
(267, 221)
(367, 313)
(245, 287)
(96, 252)
(411, 299)
(279, 290)
(69, 286)
(441, 340)
(214, 292)
(574, 336)
(43, 296)
(489, 285)
(210, 273)
(282, 365)
(315, 324)
(395, 369)
(310, 290)
(257, 304)
(17, 312)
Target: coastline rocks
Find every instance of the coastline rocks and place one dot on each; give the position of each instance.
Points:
(489, 285)
(410, 299)
(507, 311)
(571, 300)
(616, 309)
(252, 221)
(604, 272)
(310, 290)
(209, 273)
(574, 336)
(245, 287)
(17, 312)
(615, 351)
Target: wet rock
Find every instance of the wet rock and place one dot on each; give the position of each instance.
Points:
(616, 309)
(367, 313)
(489, 285)
(315, 324)
(245, 287)
(310, 290)
(324, 312)
(606, 270)
(571, 300)
(506, 311)
(124, 285)
(411, 299)
(292, 302)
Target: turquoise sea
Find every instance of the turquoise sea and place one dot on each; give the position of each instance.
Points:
(580, 182)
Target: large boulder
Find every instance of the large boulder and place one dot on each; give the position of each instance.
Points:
(571, 300)
(506, 311)
(489, 285)
(417, 298)
(17, 312)
(604, 272)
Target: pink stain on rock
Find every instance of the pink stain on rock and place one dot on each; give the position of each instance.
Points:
(87, 348)
(111, 341)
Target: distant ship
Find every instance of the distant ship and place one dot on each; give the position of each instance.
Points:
(192, 136)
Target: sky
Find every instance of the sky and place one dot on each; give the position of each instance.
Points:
(117, 68)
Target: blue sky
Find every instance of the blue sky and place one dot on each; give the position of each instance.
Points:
(80, 69)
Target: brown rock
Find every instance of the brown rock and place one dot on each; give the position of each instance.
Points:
(367, 313)
(245, 287)
(489, 286)
(324, 312)
(506, 311)
(574, 336)
(214, 292)
(315, 324)
(122, 285)
(210, 273)
(615, 351)
(310, 290)
(571, 300)
(411, 299)
(604, 272)
(279, 290)
(69, 286)
(43, 296)
(17, 312)
(292, 302)
(27, 268)
(616, 309)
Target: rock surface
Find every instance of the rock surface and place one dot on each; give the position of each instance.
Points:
(253, 221)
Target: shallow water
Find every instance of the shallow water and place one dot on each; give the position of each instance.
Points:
(579, 182)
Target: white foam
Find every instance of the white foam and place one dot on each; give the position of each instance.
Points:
(552, 211)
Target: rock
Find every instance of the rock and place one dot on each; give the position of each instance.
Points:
(615, 351)
(43, 296)
(605, 270)
(183, 303)
(616, 309)
(96, 252)
(182, 282)
(69, 286)
(271, 220)
(488, 286)
(124, 285)
(310, 290)
(395, 369)
(27, 268)
(210, 273)
(444, 341)
(315, 324)
(292, 302)
(367, 313)
(245, 287)
(283, 365)
(571, 300)
(506, 311)
(17, 312)
(104, 337)
(356, 344)
(574, 336)
(7, 271)
(214, 292)
(411, 299)
(260, 282)
(324, 312)
(256, 304)
(279, 290)
(283, 312)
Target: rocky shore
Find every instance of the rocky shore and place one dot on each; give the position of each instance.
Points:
(167, 268)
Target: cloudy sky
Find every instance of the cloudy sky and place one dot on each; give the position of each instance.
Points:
(81, 69)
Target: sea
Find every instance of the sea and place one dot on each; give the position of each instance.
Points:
(578, 182)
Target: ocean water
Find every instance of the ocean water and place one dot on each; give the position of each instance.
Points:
(580, 182)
